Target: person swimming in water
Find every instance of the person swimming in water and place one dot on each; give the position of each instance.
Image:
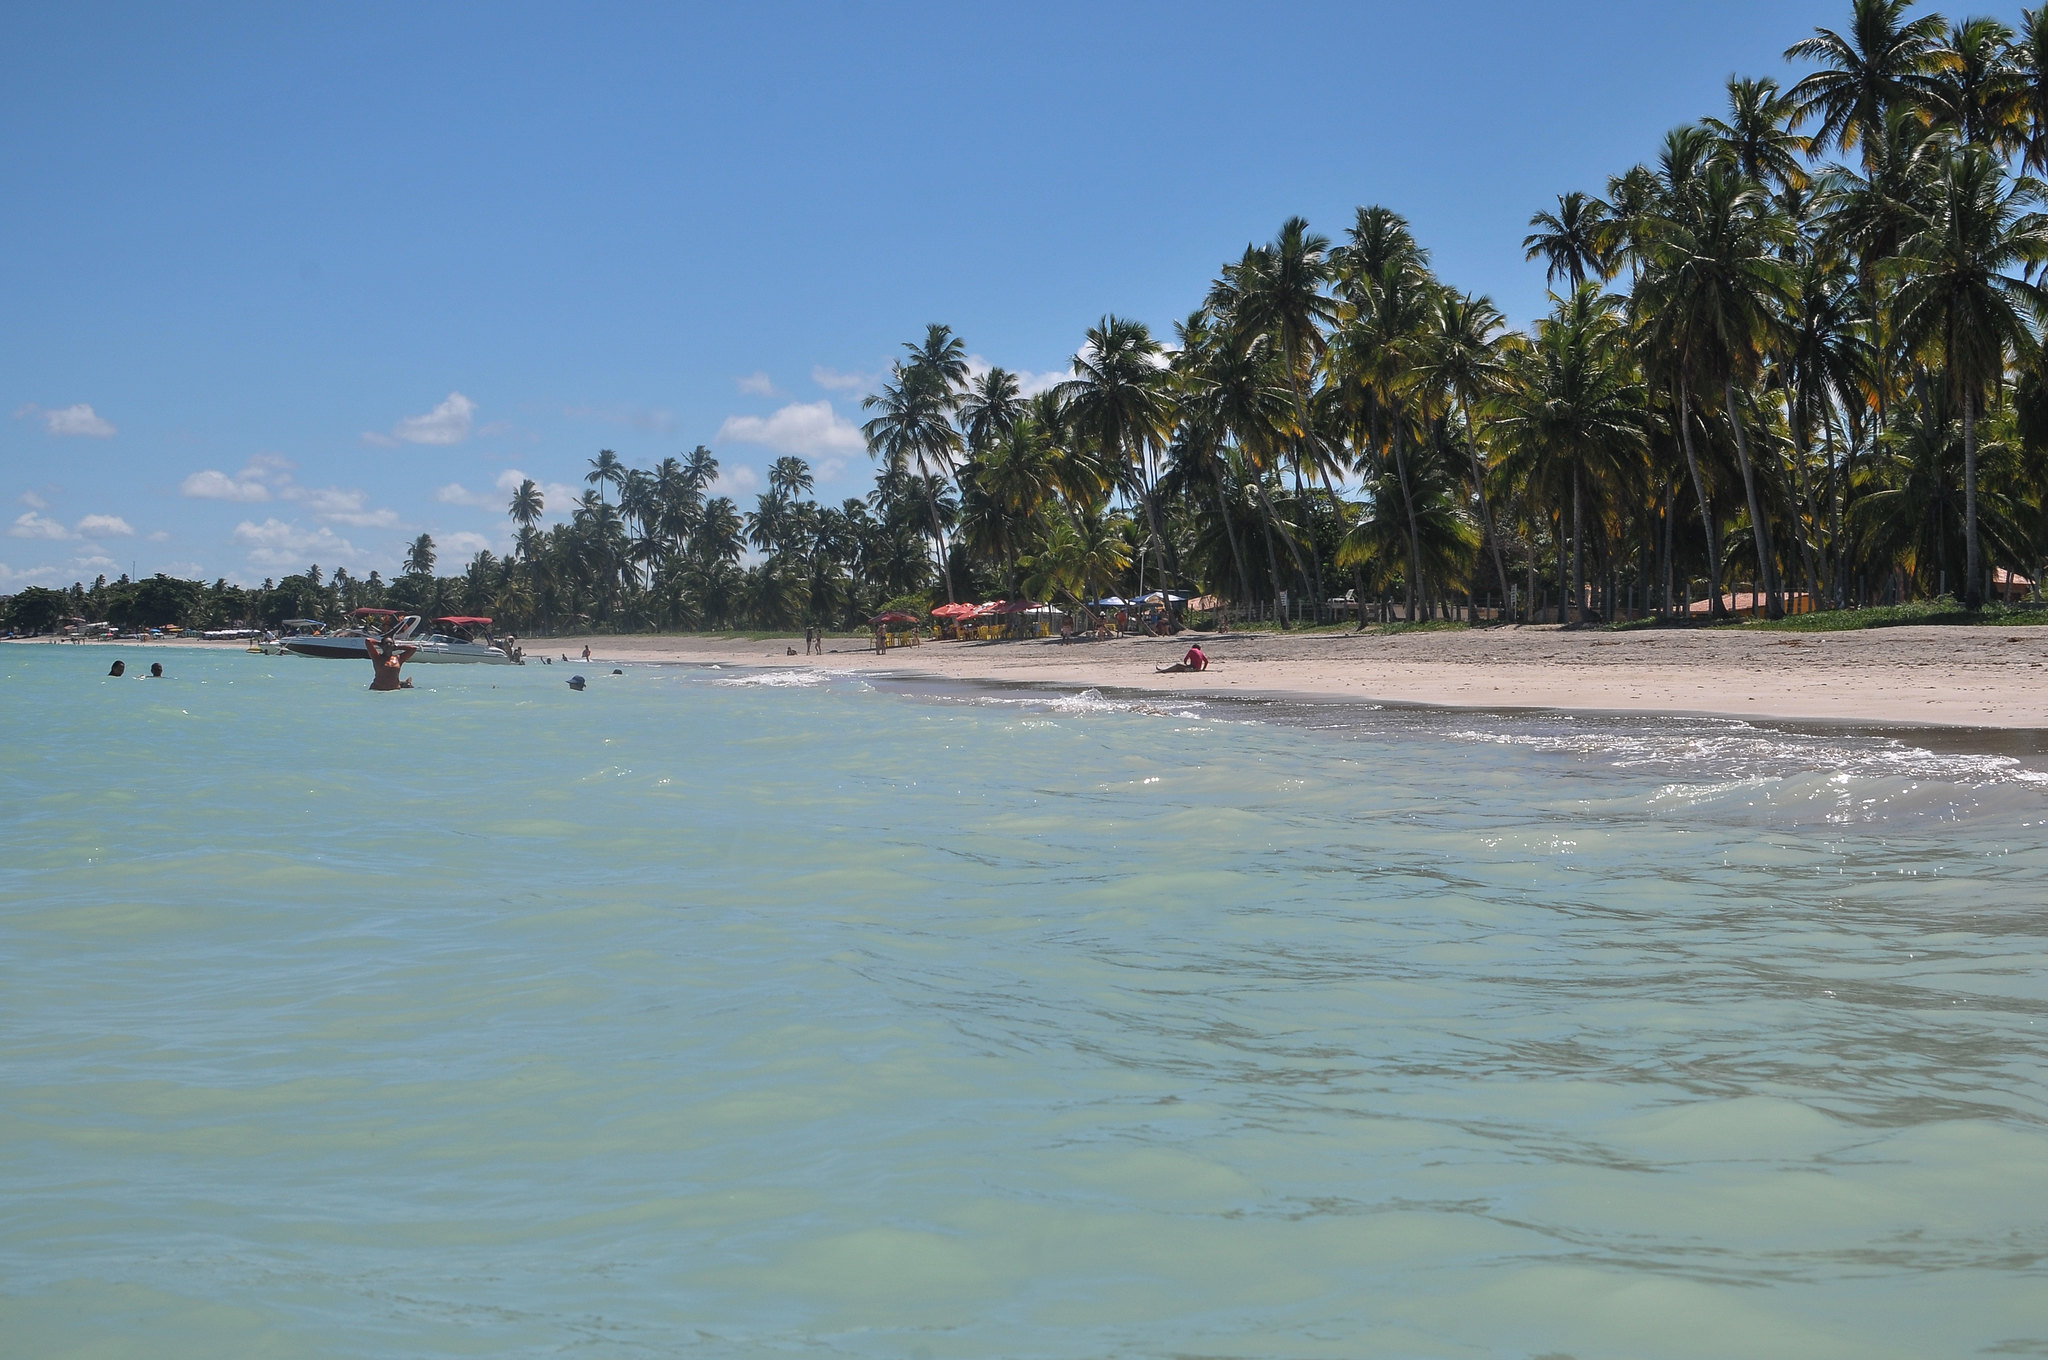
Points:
(387, 656)
(156, 670)
(118, 669)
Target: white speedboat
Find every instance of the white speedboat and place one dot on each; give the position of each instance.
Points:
(460, 638)
(348, 645)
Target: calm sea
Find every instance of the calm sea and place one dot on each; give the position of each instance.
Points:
(723, 1013)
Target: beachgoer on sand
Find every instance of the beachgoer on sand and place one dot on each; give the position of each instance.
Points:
(386, 657)
(1195, 660)
(586, 651)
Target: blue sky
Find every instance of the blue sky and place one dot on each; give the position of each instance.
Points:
(290, 284)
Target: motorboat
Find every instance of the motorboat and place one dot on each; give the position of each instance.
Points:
(457, 638)
(349, 643)
(288, 631)
(460, 638)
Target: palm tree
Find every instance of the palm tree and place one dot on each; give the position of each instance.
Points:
(941, 357)
(527, 505)
(991, 408)
(419, 558)
(1882, 63)
(1974, 86)
(1959, 305)
(1573, 239)
(1462, 356)
(1279, 291)
(1117, 397)
(1389, 297)
(915, 430)
(1711, 303)
(605, 470)
(1757, 140)
(1570, 411)
(2029, 61)
(789, 477)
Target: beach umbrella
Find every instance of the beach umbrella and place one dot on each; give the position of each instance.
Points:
(1111, 602)
(894, 616)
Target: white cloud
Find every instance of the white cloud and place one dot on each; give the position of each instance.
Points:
(830, 468)
(33, 501)
(29, 524)
(191, 571)
(810, 428)
(448, 423)
(463, 542)
(757, 384)
(332, 505)
(105, 526)
(736, 480)
(214, 485)
(832, 380)
(70, 420)
(160, 536)
(10, 579)
(276, 544)
(455, 493)
(253, 484)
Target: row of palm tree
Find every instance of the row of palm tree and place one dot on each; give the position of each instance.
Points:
(1797, 346)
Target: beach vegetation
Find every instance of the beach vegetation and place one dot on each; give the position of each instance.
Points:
(1791, 366)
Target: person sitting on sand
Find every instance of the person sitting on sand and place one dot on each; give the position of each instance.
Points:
(1195, 660)
(387, 656)
(118, 669)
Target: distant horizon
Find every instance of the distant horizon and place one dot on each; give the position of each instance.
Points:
(296, 287)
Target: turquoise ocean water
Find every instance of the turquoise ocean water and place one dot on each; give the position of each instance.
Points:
(723, 1013)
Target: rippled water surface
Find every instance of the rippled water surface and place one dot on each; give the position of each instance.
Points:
(727, 1014)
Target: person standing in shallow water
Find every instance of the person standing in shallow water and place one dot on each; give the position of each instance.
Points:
(386, 657)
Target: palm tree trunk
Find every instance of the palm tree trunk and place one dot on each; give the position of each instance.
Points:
(1973, 592)
(1272, 562)
(1300, 450)
(1578, 549)
(939, 537)
(1230, 532)
(1315, 554)
(1485, 511)
(1699, 489)
(1414, 526)
(1813, 512)
(1831, 553)
(1670, 493)
(1766, 566)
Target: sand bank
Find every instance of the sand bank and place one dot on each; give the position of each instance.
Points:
(1955, 677)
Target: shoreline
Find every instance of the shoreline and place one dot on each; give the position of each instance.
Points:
(1905, 677)
(1909, 677)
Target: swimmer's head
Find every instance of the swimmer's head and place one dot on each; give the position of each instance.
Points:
(576, 682)
(156, 670)
(118, 668)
